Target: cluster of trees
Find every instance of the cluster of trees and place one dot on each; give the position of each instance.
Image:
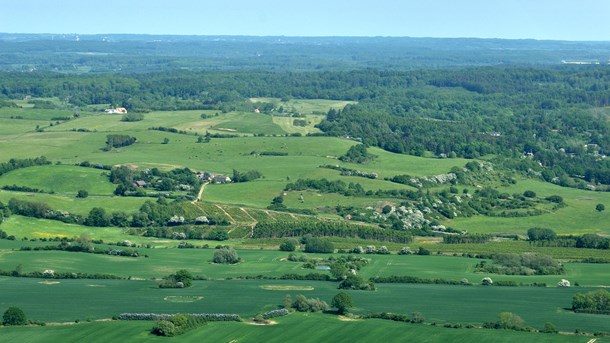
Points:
(521, 264)
(117, 141)
(181, 279)
(592, 302)
(466, 238)
(350, 172)
(177, 325)
(318, 245)
(250, 175)
(226, 255)
(304, 304)
(40, 210)
(548, 237)
(13, 163)
(357, 154)
(280, 229)
(131, 117)
(326, 186)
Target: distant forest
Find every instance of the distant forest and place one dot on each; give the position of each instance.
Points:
(151, 53)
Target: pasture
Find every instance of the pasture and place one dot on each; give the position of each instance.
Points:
(578, 217)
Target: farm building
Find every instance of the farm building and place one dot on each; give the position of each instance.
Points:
(118, 110)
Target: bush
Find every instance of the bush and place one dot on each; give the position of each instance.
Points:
(487, 281)
(14, 316)
(164, 328)
(529, 194)
(226, 256)
(218, 235)
(82, 194)
(423, 251)
(275, 313)
(289, 245)
(303, 304)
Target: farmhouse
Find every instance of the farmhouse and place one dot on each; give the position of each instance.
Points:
(118, 110)
(222, 179)
(139, 183)
(216, 178)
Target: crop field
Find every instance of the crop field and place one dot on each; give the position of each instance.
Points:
(298, 327)
(64, 300)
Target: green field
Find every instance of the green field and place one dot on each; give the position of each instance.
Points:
(293, 328)
(465, 304)
(78, 206)
(578, 217)
(243, 204)
(67, 180)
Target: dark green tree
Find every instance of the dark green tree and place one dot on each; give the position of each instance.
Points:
(342, 302)
(97, 217)
(600, 207)
(14, 316)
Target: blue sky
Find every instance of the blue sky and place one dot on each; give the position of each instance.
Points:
(537, 19)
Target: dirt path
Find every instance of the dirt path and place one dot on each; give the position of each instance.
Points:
(248, 214)
(200, 192)
(231, 219)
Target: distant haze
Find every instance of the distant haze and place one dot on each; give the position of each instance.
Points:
(582, 20)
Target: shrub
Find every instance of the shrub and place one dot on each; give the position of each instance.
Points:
(289, 245)
(529, 194)
(405, 251)
(487, 281)
(226, 256)
(164, 328)
(563, 283)
(218, 235)
(275, 313)
(303, 304)
(423, 251)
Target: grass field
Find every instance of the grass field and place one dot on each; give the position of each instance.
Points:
(61, 179)
(293, 328)
(78, 206)
(578, 217)
(162, 261)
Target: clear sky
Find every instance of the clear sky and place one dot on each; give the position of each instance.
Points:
(538, 19)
